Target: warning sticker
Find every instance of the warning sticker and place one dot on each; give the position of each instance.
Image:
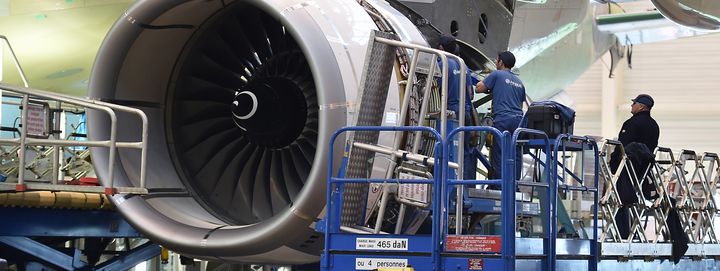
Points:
(413, 191)
(375, 263)
(475, 264)
(391, 118)
(37, 123)
(381, 243)
(473, 243)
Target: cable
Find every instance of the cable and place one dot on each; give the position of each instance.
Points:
(629, 55)
(616, 4)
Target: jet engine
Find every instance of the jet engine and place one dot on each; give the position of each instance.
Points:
(699, 15)
(242, 97)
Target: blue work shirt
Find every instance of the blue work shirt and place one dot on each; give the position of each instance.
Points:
(508, 94)
(454, 87)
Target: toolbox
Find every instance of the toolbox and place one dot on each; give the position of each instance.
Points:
(549, 119)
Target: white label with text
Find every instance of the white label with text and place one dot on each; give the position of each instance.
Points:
(375, 263)
(381, 243)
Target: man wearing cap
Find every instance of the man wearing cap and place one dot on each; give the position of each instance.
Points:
(637, 132)
(640, 128)
(508, 97)
(449, 44)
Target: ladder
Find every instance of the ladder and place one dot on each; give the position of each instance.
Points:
(363, 144)
(349, 245)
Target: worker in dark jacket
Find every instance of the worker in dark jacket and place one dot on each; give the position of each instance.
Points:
(642, 130)
(641, 127)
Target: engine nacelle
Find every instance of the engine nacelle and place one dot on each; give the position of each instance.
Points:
(697, 15)
(242, 97)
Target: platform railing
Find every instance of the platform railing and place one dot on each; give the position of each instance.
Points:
(549, 249)
(27, 94)
(685, 184)
(336, 181)
(508, 185)
(559, 150)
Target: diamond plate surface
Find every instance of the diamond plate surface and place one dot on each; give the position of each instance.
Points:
(373, 94)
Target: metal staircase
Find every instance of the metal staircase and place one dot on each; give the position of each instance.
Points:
(33, 100)
(42, 209)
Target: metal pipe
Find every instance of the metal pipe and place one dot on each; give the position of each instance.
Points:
(143, 140)
(409, 156)
(356, 231)
(41, 141)
(534, 184)
(384, 198)
(10, 140)
(56, 149)
(23, 138)
(401, 218)
(461, 150)
(17, 63)
(129, 145)
(474, 182)
(594, 250)
(378, 180)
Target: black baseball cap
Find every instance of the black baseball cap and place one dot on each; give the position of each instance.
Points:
(449, 44)
(507, 58)
(644, 99)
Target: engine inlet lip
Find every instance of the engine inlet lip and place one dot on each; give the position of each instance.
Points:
(157, 217)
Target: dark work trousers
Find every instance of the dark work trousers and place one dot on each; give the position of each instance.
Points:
(509, 124)
(469, 151)
(469, 161)
(678, 236)
(622, 220)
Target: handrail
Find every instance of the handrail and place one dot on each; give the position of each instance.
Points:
(444, 86)
(112, 143)
(15, 60)
(444, 90)
(559, 140)
(333, 212)
(550, 232)
(507, 248)
(462, 129)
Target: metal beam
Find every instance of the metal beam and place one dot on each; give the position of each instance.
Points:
(42, 253)
(36, 222)
(131, 258)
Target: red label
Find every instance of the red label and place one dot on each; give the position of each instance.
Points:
(473, 243)
(475, 264)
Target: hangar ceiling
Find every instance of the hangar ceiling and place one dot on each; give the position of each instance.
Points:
(56, 40)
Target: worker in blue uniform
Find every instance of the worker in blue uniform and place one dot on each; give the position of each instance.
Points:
(449, 44)
(508, 97)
